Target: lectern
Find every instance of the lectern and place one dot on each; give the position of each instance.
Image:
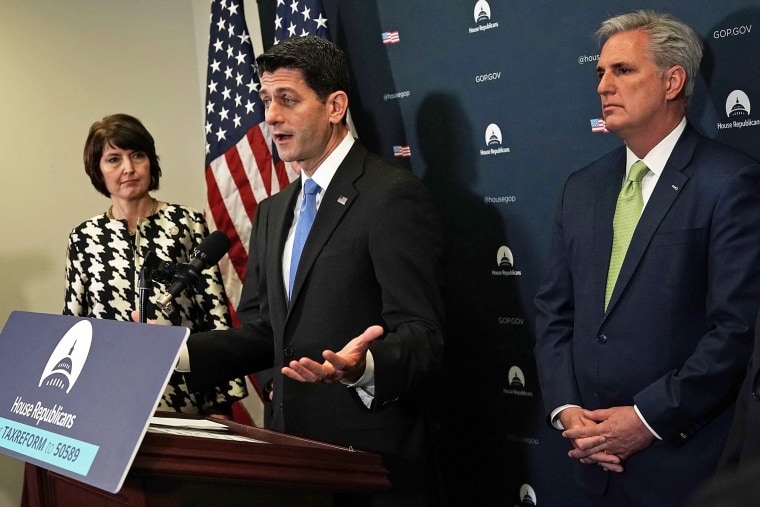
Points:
(178, 470)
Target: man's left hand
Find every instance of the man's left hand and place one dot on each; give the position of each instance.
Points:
(348, 364)
(623, 430)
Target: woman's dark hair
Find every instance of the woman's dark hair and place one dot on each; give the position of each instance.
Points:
(121, 131)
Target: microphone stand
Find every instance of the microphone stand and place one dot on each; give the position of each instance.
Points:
(144, 287)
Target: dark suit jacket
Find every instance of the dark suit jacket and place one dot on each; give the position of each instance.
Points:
(743, 446)
(678, 330)
(373, 256)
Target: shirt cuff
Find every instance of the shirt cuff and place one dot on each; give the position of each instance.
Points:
(554, 417)
(365, 386)
(183, 363)
(646, 424)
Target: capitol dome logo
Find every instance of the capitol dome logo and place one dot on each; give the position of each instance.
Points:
(737, 104)
(504, 258)
(67, 360)
(482, 11)
(516, 378)
(493, 135)
(527, 495)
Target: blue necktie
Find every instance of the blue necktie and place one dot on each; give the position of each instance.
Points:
(305, 219)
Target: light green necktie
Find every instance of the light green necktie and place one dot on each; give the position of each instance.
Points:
(627, 212)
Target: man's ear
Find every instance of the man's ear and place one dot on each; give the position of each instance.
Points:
(338, 106)
(675, 81)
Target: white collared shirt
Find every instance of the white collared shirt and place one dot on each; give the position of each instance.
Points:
(655, 160)
(322, 176)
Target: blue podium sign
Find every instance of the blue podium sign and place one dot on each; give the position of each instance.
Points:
(77, 393)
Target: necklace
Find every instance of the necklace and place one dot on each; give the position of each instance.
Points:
(109, 213)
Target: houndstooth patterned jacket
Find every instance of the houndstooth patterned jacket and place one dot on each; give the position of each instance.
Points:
(103, 263)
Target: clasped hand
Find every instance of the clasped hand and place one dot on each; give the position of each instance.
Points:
(604, 437)
(348, 364)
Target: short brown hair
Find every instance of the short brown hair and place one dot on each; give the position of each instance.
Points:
(122, 131)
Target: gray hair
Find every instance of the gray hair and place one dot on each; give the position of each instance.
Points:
(671, 42)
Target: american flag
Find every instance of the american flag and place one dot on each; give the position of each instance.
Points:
(242, 167)
(390, 37)
(298, 18)
(402, 151)
(598, 125)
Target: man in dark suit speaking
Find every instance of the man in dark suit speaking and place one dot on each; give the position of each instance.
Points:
(342, 293)
(647, 310)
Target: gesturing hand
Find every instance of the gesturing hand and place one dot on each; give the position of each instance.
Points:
(347, 364)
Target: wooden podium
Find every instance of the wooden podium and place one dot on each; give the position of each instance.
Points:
(174, 470)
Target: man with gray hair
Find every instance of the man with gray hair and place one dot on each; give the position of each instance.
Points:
(646, 314)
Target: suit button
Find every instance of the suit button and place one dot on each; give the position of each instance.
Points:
(602, 338)
(288, 352)
(755, 395)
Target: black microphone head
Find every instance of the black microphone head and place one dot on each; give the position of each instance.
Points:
(212, 249)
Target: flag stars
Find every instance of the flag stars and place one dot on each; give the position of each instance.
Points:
(226, 93)
(277, 22)
(321, 22)
(306, 13)
(294, 6)
(230, 52)
(236, 121)
(244, 38)
(207, 127)
(239, 79)
(220, 134)
(233, 8)
(211, 86)
(224, 114)
(253, 86)
(218, 45)
(292, 30)
(228, 73)
(214, 66)
(238, 100)
(220, 25)
(240, 58)
(209, 108)
(249, 106)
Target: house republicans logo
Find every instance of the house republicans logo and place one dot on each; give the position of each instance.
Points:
(482, 16)
(738, 109)
(516, 386)
(493, 141)
(506, 262)
(67, 360)
(527, 496)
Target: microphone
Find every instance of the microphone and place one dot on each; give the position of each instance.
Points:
(205, 255)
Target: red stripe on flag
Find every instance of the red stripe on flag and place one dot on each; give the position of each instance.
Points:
(262, 155)
(237, 254)
(240, 177)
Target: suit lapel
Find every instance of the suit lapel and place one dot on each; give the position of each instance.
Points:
(282, 219)
(338, 198)
(607, 190)
(670, 184)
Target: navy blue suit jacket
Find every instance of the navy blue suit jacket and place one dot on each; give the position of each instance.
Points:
(678, 330)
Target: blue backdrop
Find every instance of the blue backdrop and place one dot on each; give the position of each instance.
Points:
(495, 102)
